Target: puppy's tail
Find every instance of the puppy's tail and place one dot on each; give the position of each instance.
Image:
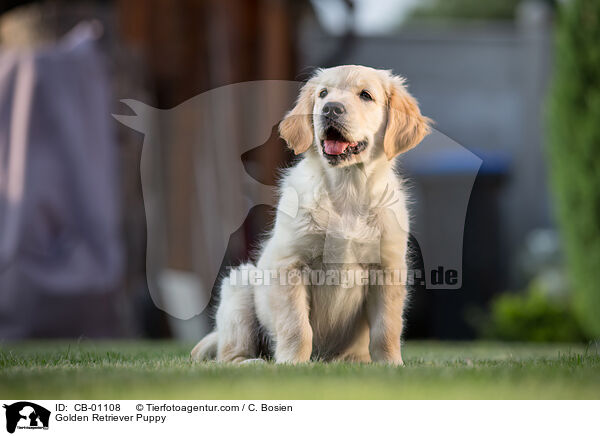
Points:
(206, 349)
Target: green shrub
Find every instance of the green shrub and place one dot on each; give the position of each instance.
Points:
(574, 152)
(532, 316)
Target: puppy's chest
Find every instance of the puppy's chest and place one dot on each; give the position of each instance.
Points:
(342, 236)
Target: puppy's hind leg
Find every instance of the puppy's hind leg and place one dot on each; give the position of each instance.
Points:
(206, 349)
(237, 324)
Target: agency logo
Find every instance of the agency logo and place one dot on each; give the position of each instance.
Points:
(26, 415)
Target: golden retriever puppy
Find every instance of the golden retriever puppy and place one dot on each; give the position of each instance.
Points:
(330, 282)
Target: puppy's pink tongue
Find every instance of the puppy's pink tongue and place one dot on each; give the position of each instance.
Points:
(335, 147)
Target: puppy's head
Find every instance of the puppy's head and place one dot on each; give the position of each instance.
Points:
(353, 114)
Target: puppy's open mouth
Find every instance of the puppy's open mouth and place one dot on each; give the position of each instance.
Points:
(336, 147)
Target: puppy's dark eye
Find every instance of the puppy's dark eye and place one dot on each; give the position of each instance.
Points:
(365, 95)
(323, 93)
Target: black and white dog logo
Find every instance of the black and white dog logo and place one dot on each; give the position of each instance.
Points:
(26, 415)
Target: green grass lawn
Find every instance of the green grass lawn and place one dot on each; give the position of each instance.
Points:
(434, 370)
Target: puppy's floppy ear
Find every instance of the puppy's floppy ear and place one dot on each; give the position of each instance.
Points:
(297, 126)
(406, 127)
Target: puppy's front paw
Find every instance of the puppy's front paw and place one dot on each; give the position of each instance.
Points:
(295, 346)
(390, 358)
(253, 361)
(292, 356)
(396, 362)
(392, 361)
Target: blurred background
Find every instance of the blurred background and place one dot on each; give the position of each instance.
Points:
(515, 82)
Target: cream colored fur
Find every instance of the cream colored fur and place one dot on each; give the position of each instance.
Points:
(357, 201)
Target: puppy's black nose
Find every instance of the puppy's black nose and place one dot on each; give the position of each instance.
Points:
(333, 109)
